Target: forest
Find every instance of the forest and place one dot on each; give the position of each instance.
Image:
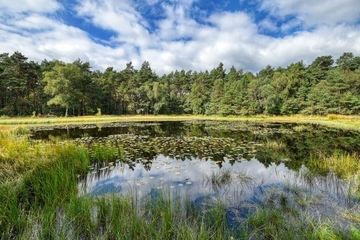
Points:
(56, 88)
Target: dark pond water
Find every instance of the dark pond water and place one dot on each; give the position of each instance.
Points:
(242, 164)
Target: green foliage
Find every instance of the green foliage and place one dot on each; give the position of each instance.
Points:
(342, 164)
(57, 178)
(58, 88)
(101, 153)
(98, 112)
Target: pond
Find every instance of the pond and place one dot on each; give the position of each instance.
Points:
(242, 165)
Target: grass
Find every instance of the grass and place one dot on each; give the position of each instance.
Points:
(101, 153)
(18, 155)
(219, 179)
(39, 199)
(276, 145)
(43, 202)
(337, 121)
(344, 165)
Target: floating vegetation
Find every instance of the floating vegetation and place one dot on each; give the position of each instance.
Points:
(130, 148)
(92, 126)
(253, 127)
(202, 181)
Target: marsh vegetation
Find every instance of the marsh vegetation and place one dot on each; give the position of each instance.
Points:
(179, 180)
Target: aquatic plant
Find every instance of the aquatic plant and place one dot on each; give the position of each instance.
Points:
(277, 145)
(344, 165)
(104, 153)
(220, 178)
(288, 223)
(39, 195)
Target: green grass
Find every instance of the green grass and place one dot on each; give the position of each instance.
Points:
(39, 200)
(337, 121)
(101, 153)
(344, 165)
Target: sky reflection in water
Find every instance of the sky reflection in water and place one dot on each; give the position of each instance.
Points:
(252, 183)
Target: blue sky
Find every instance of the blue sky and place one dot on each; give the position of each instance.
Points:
(174, 35)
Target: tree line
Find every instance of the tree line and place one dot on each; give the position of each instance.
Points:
(58, 88)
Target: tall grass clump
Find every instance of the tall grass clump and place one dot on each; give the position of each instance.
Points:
(344, 165)
(56, 181)
(277, 145)
(33, 201)
(101, 153)
(280, 223)
(220, 178)
(177, 218)
(12, 218)
(18, 155)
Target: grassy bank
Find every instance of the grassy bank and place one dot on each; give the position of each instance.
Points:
(39, 200)
(332, 120)
(39, 197)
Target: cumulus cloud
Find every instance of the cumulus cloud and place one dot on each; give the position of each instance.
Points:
(18, 6)
(267, 24)
(177, 40)
(117, 16)
(315, 12)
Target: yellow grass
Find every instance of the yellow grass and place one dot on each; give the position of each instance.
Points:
(337, 121)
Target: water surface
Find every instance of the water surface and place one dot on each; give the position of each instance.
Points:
(243, 165)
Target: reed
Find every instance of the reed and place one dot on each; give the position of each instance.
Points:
(100, 153)
(18, 155)
(344, 165)
(276, 145)
(219, 178)
(39, 200)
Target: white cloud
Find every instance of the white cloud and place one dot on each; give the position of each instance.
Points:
(288, 26)
(177, 23)
(152, 2)
(309, 45)
(179, 41)
(34, 22)
(18, 6)
(268, 25)
(314, 12)
(117, 16)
